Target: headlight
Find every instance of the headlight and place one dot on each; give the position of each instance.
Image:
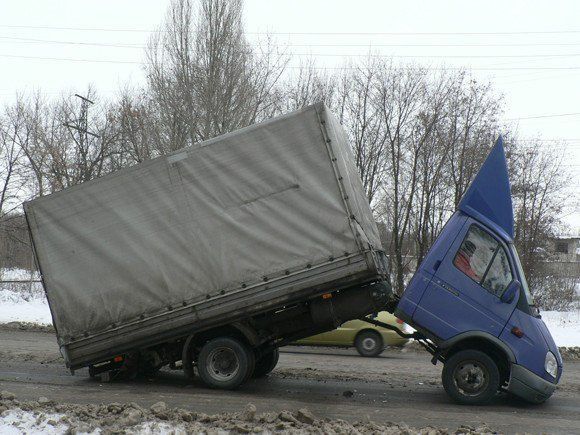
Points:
(551, 365)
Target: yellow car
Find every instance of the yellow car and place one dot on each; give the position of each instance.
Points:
(368, 339)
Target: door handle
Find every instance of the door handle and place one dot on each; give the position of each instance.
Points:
(448, 288)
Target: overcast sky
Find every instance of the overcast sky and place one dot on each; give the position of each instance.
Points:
(529, 49)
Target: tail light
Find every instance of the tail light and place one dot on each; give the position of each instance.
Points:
(400, 322)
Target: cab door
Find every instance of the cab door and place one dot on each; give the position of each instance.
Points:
(464, 294)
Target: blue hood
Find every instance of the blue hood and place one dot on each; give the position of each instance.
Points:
(488, 198)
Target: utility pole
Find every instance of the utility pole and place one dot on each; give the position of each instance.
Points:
(82, 124)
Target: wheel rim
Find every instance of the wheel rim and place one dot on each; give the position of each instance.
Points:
(471, 378)
(223, 364)
(369, 344)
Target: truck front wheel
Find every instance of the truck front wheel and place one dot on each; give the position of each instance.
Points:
(471, 377)
(225, 363)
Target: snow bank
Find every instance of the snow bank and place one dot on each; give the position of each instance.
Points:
(18, 274)
(13, 309)
(564, 326)
(17, 421)
(22, 302)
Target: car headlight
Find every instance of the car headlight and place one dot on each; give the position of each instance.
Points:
(551, 365)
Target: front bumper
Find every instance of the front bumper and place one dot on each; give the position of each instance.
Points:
(529, 386)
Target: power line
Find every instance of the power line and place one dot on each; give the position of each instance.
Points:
(420, 33)
(470, 56)
(70, 59)
(436, 45)
(315, 67)
(49, 41)
(548, 140)
(367, 45)
(456, 68)
(98, 29)
(83, 29)
(537, 78)
(544, 116)
(435, 56)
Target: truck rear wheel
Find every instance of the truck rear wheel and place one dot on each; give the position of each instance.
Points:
(266, 364)
(369, 343)
(225, 363)
(471, 377)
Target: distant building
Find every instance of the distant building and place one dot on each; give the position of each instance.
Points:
(564, 255)
(565, 248)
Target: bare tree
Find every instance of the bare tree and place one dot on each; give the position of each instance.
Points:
(137, 135)
(461, 139)
(13, 187)
(12, 132)
(66, 146)
(418, 139)
(431, 206)
(538, 188)
(472, 127)
(400, 100)
(203, 76)
(354, 103)
(308, 86)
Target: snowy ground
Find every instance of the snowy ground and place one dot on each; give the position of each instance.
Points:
(27, 303)
(41, 418)
(24, 301)
(564, 327)
(20, 422)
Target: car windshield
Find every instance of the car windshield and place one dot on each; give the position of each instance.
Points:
(524, 283)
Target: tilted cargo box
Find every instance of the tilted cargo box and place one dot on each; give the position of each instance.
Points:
(243, 223)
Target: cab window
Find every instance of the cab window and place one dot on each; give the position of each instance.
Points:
(475, 253)
(499, 274)
(484, 260)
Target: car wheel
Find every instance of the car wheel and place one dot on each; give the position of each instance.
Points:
(471, 377)
(225, 363)
(266, 364)
(369, 343)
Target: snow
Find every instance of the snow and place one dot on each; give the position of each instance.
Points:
(14, 310)
(22, 302)
(564, 327)
(18, 274)
(154, 428)
(17, 421)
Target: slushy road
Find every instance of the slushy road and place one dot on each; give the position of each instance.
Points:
(335, 383)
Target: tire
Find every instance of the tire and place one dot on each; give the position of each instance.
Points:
(471, 377)
(369, 343)
(252, 365)
(148, 364)
(266, 364)
(225, 363)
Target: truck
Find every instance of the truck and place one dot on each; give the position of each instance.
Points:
(211, 258)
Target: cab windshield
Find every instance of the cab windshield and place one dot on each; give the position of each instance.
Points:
(525, 288)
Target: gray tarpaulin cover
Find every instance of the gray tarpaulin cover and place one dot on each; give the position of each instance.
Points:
(204, 219)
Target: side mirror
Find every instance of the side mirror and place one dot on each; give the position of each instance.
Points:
(511, 293)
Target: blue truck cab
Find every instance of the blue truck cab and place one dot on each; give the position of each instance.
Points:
(470, 299)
